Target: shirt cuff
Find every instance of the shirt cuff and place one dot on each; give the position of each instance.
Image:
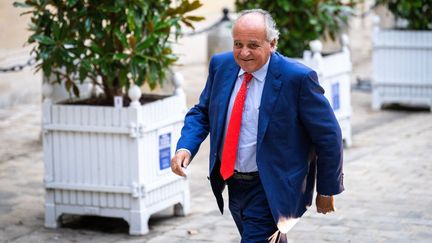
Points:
(183, 149)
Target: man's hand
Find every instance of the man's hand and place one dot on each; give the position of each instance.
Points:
(180, 160)
(325, 204)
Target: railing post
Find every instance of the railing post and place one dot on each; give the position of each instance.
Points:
(316, 47)
(345, 44)
(219, 39)
(134, 93)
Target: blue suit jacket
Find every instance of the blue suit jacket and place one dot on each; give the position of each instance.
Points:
(298, 139)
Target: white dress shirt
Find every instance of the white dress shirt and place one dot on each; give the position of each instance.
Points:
(246, 154)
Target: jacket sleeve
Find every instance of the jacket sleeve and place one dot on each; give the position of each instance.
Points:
(320, 122)
(196, 124)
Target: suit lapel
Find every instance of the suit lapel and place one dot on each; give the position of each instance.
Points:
(226, 85)
(269, 96)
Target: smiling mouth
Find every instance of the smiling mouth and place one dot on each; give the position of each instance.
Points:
(247, 60)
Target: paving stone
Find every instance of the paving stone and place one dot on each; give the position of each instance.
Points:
(388, 173)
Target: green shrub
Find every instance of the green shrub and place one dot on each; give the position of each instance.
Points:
(118, 42)
(418, 13)
(301, 21)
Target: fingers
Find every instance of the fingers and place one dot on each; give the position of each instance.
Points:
(325, 204)
(176, 165)
(186, 161)
(325, 210)
(179, 162)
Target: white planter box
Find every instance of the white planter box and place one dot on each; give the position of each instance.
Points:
(402, 67)
(113, 162)
(334, 73)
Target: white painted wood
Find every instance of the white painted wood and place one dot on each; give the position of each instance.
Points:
(109, 162)
(134, 93)
(69, 155)
(89, 187)
(48, 143)
(123, 159)
(86, 163)
(94, 158)
(401, 67)
(334, 74)
(77, 163)
(105, 161)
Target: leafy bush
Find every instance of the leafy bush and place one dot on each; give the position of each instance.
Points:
(112, 43)
(418, 13)
(301, 21)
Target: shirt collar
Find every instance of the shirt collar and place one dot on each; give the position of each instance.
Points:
(259, 74)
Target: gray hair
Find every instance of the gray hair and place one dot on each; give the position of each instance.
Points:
(271, 30)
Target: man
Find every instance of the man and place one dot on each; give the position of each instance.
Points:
(272, 132)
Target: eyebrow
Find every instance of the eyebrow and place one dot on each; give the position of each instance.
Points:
(249, 42)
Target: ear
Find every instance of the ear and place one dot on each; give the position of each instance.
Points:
(273, 44)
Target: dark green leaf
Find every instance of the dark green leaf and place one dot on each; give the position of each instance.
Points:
(86, 65)
(44, 39)
(131, 19)
(46, 67)
(134, 68)
(56, 30)
(123, 77)
(75, 89)
(188, 24)
(71, 3)
(146, 43)
(21, 5)
(68, 85)
(194, 5)
(96, 48)
(195, 18)
(121, 37)
(82, 73)
(120, 56)
(87, 25)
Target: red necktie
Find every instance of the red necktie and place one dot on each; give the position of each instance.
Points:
(229, 153)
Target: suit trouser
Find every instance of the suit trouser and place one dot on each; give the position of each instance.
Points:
(249, 208)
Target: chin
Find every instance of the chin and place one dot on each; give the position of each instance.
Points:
(248, 69)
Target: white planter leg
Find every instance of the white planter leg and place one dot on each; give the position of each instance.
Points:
(183, 208)
(376, 101)
(348, 141)
(51, 219)
(430, 106)
(138, 223)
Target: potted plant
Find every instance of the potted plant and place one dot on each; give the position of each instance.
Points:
(99, 159)
(304, 24)
(300, 22)
(402, 55)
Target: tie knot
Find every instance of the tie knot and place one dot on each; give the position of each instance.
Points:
(247, 77)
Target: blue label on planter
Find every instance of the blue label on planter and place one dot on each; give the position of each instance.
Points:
(335, 96)
(164, 150)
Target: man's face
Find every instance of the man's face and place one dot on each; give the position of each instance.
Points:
(251, 48)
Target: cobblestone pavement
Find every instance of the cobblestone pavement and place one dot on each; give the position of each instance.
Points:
(388, 173)
(387, 199)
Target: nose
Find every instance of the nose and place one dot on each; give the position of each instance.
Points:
(244, 52)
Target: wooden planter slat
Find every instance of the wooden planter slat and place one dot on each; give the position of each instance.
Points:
(402, 67)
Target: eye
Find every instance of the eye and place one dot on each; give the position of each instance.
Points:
(237, 44)
(253, 45)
